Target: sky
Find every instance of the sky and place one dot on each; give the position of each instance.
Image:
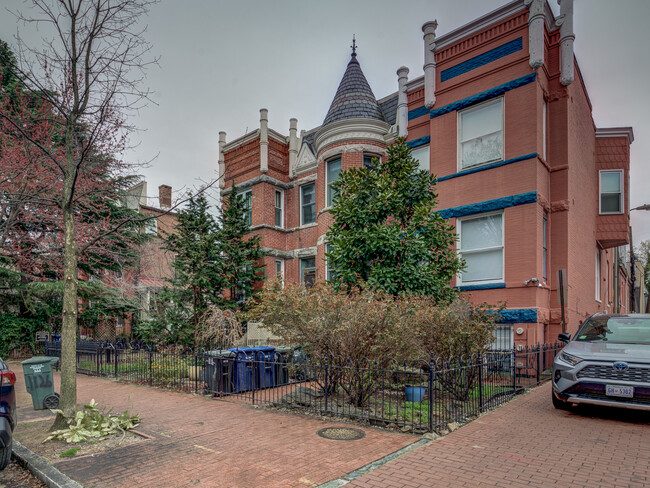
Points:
(220, 62)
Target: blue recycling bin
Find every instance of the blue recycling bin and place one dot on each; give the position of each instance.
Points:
(244, 369)
(254, 368)
(265, 360)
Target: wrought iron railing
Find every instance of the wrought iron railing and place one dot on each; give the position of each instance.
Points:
(417, 396)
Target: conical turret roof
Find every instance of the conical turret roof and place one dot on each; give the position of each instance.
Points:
(354, 98)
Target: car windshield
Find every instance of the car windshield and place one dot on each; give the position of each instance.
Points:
(618, 330)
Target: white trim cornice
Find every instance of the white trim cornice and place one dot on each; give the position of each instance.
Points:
(251, 136)
(616, 132)
(351, 129)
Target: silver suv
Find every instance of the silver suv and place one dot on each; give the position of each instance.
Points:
(606, 363)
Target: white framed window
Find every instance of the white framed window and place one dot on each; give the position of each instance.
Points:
(504, 338)
(367, 160)
(329, 270)
(247, 196)
(597, 275)
(480, 134)
(308, 204)
(151, 226)
(421, 154)
(481, 246)
(279, 208)
(611, 192)
(333, 170)
(279, 270)
(308, 271)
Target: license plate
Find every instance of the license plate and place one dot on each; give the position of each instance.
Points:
(619, 391)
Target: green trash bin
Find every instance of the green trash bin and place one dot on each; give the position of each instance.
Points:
(40, 382)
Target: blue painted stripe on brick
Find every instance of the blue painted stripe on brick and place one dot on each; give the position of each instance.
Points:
(485, 286)
(418, 112)
(418, 142)
(482, 59)
(489, 205)
(486, 95)
(518, 316)
(488, 166)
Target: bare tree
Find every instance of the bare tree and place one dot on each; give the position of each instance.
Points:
(90, 72)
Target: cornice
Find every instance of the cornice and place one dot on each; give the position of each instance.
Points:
(246, 138)
(251, 136)
(259, 179)
(351, 129)
(616, 132)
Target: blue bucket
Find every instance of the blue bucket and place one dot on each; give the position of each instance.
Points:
(414, 393)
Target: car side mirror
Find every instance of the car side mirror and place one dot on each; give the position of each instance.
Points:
(564, 337)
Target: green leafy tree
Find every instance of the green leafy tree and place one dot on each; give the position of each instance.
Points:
(240, 253)
(198, 282)
(386, 233)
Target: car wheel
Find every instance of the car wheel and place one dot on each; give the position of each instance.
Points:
(5, 456)
(559, 404)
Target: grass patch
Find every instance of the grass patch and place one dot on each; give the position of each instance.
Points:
(70, 452)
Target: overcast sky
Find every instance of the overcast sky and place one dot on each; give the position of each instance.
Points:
(223, 61)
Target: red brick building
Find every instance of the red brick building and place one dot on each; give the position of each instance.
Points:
(155, 262)
(503, 119)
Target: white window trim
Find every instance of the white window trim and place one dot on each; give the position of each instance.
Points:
(423, 146)
(281, 261)
(459, 231)
(600, 192)
(371, 156)
(302, 187)
(328, 271)
(459, 154)
(597, 284)
(151, 226)
(300, 268)
(243, 195)
(327, 183)
(281, 226)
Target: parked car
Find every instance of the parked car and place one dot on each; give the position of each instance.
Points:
(607, 363)
(7, 412)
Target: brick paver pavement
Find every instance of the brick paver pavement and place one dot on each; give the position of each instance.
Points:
(198, 441)
(527, 443)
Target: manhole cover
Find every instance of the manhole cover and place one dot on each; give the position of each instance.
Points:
(341, 433)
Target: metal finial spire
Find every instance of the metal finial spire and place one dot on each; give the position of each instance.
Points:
(354, 46)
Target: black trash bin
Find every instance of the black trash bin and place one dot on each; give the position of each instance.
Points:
(282, 359)
(219, 371)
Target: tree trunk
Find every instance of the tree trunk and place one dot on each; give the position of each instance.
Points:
(70, 285)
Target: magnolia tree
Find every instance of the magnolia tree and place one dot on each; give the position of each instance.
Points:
(86, 78)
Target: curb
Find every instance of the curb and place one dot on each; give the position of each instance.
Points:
(344, 480)
(40, 468)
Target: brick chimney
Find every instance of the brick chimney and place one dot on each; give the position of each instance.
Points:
(165, 196)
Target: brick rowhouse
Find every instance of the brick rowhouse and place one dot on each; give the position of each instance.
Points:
(502, 117)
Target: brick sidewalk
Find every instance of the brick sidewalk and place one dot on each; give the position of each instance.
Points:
(198, 441)
(529, 443)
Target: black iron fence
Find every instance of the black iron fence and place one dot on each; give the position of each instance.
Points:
(418, 396)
